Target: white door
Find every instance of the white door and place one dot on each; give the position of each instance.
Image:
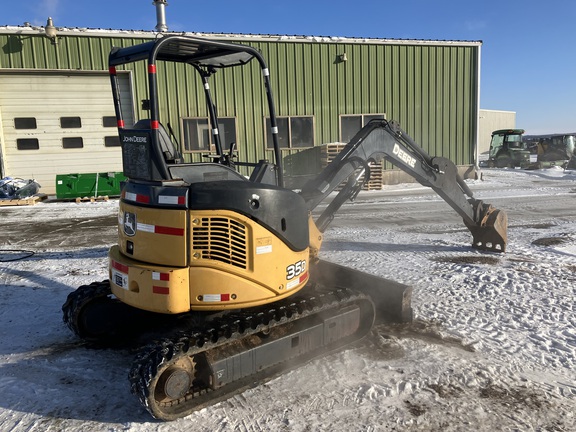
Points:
(59, 123)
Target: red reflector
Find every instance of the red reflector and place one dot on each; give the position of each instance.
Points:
(169, 230)
(123, 268)
(224, 297)
(152, 68)
(181, 200)
(121, 124)
(164, 276)
(160, 290)
(154, 124)
(142, 198)
(112, 70)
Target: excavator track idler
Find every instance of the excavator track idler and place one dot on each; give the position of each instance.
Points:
(174, 380)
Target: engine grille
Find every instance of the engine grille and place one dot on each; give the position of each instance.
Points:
(220, 239)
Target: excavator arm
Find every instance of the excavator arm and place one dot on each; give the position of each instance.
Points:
(382, 139)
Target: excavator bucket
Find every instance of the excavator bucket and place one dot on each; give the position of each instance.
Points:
(392, 300)
(491, 232)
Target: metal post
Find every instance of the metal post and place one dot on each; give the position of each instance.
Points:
(160, 15)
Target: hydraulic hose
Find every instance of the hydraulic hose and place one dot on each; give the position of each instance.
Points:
(25, 254)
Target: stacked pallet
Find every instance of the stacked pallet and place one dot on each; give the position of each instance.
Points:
(91, 198)
(376, 180)
(31, 200)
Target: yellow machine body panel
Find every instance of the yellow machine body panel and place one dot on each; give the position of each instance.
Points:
(233, 262)
(146, 286)
(152, 235)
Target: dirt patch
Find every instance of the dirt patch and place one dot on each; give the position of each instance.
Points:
(415, 409)
(517, 398)
(62, 233)
(446, 391)
(468, 260)
(549, 241)
(544, 225)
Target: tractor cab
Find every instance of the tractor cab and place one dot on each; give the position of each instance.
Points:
(557, 148)
(508, 150)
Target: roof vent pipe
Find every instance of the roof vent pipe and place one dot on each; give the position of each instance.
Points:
(160, 15)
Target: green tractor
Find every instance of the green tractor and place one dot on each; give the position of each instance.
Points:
(507, 150)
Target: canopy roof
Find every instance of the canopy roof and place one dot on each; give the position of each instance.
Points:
(186, 49)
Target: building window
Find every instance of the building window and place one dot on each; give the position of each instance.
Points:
(109, 121)
(70, 122)
(198, 135)
(27, 144)
(351, 124)
(25, 123)
(112, 141)
(72, 142)
(293, 132)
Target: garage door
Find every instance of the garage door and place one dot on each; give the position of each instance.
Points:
(54, 123)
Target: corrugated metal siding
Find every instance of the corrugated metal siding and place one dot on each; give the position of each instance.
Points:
(431, 90)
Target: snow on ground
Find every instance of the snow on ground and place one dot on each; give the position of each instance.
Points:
(493, 345)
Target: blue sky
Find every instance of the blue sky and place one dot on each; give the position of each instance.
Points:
(528, 52)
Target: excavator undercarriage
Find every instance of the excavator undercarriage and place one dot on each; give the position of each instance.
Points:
(217, 276)
(189, 361)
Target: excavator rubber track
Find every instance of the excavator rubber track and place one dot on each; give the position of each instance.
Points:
(100, 319)
(174, 377)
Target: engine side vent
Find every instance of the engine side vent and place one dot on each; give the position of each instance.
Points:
(220, 239)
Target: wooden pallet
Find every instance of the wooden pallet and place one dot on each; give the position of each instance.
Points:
(330, 151)
(92, 199)
(34, 199)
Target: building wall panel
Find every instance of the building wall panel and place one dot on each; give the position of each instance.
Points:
(431, 89)
(491, 120)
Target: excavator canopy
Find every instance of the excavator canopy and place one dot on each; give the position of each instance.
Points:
(199, 52)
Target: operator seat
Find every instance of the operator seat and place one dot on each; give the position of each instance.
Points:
(169, 150)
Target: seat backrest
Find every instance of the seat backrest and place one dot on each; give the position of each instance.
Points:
(171, 154)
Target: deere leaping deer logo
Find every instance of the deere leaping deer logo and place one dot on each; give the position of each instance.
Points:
(129, 224)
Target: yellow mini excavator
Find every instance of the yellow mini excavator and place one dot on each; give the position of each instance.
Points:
(217, 274)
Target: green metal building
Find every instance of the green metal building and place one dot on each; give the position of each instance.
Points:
(57, 117)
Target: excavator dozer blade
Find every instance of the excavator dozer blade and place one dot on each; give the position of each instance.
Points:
(492, 232)
(392, 300)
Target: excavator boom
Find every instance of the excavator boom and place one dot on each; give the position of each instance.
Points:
(382, 139)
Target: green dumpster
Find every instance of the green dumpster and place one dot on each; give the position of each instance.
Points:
(88, 184)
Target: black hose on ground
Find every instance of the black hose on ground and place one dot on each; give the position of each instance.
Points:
(25, 254)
